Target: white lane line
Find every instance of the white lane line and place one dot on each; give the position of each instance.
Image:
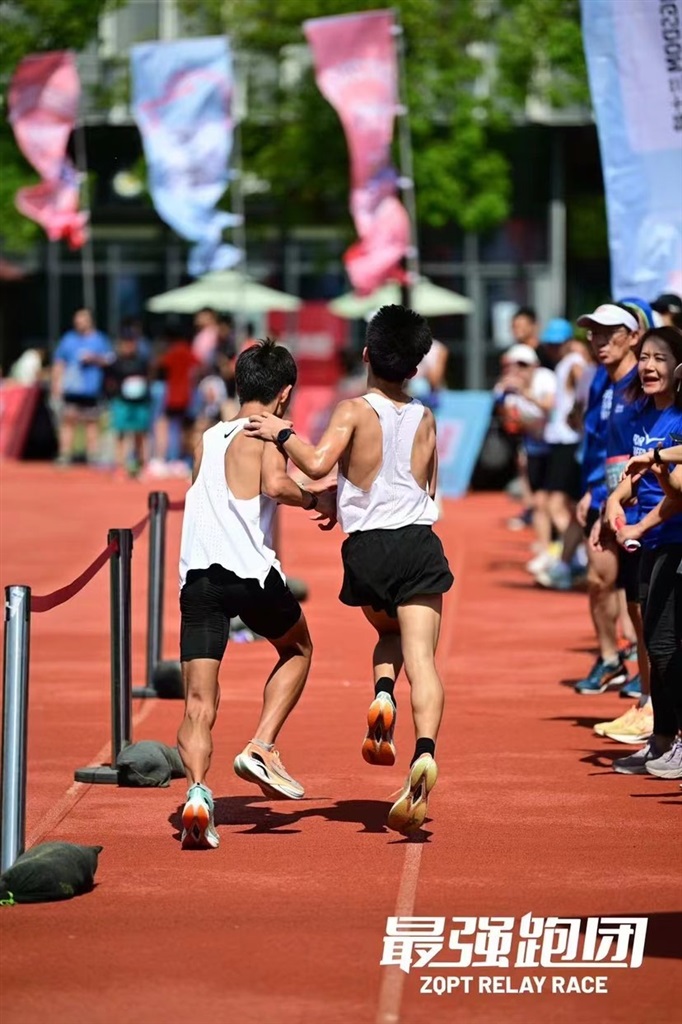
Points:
(76, 790)
(393, 980)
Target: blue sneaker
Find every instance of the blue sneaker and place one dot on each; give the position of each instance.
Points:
(601, 677)
(633, 688)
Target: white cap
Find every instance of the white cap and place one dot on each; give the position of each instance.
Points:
(521, 354)
(609, 315)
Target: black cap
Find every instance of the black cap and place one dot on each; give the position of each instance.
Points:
(667, 303)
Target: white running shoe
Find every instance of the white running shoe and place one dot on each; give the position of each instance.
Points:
(198, 827)
(409, 811)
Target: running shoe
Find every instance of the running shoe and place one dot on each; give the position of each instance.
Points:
(635, 726)
(635, 764)
(601, 677)
(557, 576)
(409, 811)
(669, 766)
(378, 746)
(627, 649)
(264, 767)
(632, 688)
(198, 827)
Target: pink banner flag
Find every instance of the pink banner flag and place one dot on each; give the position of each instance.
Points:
(356, 71)
(43, 106)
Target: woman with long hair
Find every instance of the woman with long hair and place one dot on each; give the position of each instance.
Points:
(657, 426)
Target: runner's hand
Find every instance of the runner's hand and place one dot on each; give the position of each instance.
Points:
(266, 426)
(326, 508)
(582, 508)
(638, 465)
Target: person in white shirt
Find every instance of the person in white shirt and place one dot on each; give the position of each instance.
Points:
(229, 568)
(394, 565)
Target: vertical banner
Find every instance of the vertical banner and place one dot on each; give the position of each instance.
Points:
(356, 71)
(182, 103)
(43, 107)
(634, 60)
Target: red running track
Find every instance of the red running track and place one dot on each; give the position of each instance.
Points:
(284, 924)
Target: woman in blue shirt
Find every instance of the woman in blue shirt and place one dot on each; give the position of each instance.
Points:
(657, 425)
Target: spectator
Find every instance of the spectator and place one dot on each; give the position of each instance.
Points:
(207, 336)
(180, 365)
(77, 383)
(128, 387)
(430, 376)
(669, 309)
(525, 327)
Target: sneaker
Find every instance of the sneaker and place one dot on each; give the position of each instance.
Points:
(539, 563)
(602, 676)
(378, 746)
(627, 649)
(635, 726)
(632, 688)
(258, 764)
(635, 764)
(669, 766)
(409, 811)
(557, 576)
(198, 828)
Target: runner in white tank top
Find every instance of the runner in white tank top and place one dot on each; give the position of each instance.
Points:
(228, 568)
(394, 566)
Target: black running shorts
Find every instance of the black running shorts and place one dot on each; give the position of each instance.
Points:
(563, 470)
(213, 596)
(385, 568)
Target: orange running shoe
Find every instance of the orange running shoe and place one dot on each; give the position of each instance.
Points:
(264, 767)
(409, 811)
(198, 828)
(378, 746)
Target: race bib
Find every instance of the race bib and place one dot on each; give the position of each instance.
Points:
(615, 466)
(134, 388)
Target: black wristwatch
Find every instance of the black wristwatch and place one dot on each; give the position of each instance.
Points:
(657, 457)
(284, 435)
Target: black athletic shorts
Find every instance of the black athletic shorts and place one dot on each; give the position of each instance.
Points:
(592, 517)
(213, 596)
(563, 470)
(628, 573)
(385, 568)
(537, 466)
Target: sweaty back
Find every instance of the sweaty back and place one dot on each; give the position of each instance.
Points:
(389, 496)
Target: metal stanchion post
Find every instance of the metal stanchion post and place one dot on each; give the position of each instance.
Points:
(14, 724)
(121, 659)
(158, 510)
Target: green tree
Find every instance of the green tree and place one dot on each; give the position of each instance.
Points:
(34, 26)
(469, 66)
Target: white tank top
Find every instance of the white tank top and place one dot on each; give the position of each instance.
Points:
(557, 430)
(394, 498)
(219, 528)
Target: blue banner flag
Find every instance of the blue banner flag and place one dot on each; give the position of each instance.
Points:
(182, 102)
(634, 60)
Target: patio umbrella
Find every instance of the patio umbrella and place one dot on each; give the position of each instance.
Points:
(427, 298)
(227, 291)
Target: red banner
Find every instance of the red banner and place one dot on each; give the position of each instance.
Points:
(356, 71)
(316, 339)
(17, 408)
(43, 106)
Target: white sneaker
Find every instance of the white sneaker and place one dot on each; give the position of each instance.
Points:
(198, 827)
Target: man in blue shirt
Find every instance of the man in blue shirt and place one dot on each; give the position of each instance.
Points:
(77, 383)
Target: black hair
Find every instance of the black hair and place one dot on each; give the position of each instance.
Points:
(526, 311)
(263, 370)
(397, 340)
(673, 339)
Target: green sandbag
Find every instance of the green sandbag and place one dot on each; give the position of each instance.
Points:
(149, 764)
(50, 871)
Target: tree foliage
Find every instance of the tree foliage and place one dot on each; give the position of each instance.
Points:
(470, 65)
(34, 26)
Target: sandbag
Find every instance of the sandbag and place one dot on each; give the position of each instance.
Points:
(48, 872)
(149, 763)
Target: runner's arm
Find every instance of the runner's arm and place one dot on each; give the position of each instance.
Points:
(316, 461)
(666, 509)
(276, 482)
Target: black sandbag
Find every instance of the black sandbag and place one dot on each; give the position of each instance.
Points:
(149, 763)
(50, 871)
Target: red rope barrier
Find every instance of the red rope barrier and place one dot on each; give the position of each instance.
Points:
(138, 528)
(43, 604)
(176, 506)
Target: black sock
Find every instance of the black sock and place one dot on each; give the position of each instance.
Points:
(384, 685)
(424, 746)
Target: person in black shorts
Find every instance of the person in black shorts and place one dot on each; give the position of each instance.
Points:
(384, 444)
(228, 568)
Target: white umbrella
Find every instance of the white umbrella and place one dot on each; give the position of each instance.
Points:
(227, 291)
(426, 298)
